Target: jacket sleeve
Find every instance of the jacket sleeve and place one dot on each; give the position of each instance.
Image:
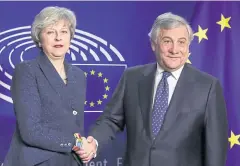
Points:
(112, 120)
(216, 127)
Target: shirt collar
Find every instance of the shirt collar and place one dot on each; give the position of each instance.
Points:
(176, 74)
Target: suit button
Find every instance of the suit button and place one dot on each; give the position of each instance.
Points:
(75, 112)
(69, 144)
(61, 145)
(153, 148)
(65, 145)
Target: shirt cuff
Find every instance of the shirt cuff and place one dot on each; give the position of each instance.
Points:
(96, 148)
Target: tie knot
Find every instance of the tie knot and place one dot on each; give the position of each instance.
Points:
(166, 74)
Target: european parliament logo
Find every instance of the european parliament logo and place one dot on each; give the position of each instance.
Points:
(101, 62)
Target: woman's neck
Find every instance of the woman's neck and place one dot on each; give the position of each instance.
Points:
(58, 64)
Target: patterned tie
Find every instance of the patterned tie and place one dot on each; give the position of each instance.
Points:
(160, 103)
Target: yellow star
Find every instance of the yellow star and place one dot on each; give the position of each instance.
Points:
(107, 88)
(100, 74)
(105, 80)
(234, 139)
(224, 22)
(99, 102)
(85, 103)
(85, 73)
(188, 61)
(92, 72)
(92, 104)
(105, 96)
(201, 34)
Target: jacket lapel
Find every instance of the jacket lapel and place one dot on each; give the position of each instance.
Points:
(51, 74)
(70, 88)
(145, 89)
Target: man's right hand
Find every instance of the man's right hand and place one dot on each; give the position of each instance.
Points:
(88, 150)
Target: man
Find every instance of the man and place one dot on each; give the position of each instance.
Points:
(175, 115)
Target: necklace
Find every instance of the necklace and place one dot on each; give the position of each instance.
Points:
(63, 74)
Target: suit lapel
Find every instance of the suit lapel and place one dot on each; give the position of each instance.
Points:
(52, 76)
(145, 89)
(71, 86)
(178, 102)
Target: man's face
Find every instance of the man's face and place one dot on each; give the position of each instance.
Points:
(172, 48)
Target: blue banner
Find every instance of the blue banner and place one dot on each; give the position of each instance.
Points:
(112, 36)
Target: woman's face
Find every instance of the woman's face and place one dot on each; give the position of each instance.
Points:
(55, 40)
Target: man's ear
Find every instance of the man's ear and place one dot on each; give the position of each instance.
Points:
(153, 45)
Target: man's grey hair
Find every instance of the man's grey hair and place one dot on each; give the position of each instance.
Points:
(49, 16)
(168, 21)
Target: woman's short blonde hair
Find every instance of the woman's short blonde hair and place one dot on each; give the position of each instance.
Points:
(49, 16)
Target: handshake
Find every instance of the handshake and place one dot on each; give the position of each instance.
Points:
(84, 149)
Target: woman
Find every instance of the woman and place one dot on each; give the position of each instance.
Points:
(48, 96)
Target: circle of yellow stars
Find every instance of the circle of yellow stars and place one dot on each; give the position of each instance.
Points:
(107, 88)
(202, 32)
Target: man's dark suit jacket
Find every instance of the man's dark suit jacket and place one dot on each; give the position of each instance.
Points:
(195, 129)
(48, 112)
